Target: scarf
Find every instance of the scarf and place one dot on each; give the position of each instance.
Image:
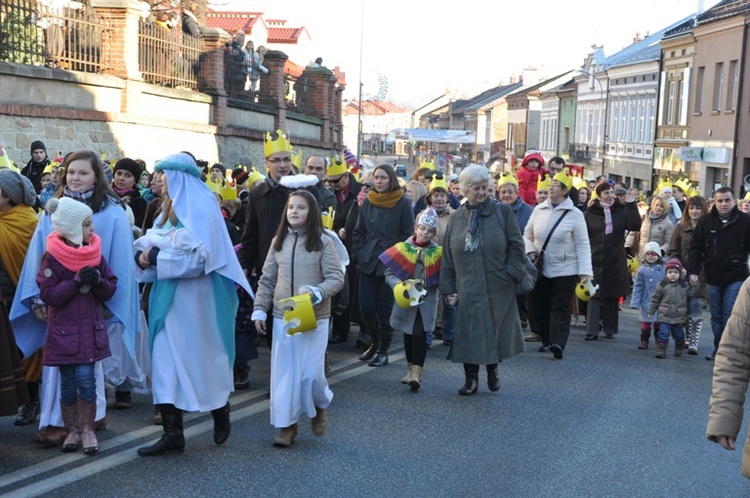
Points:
(474, 232)
(607, 217)
(73, 258)
(17, 226)
(386, 201)
(361, 197)
(655, 217)
(402, 258)
(83, 196)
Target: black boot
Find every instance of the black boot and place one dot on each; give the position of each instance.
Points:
(172, 440)
(372, 324)
(381, 358)
(493, 378)
(222, 425)
(472, 380)
(30, 412)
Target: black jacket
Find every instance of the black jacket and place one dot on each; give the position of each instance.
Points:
(33, 171)
(378, 229)
(721, 247)
(342, 209)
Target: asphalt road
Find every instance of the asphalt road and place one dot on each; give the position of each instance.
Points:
(607, 421)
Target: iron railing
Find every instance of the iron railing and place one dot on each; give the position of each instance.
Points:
(55, 33)
(168, 57)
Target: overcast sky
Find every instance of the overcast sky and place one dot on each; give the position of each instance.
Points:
(424, 48)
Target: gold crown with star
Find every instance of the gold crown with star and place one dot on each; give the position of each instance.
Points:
(279, 144)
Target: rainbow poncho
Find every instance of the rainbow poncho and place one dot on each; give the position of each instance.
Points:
(402, 258)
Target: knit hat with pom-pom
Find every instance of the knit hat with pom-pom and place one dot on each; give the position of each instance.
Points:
(67, 217)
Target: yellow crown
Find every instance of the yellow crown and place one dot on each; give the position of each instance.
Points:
(336, 167)
(506, 178)
(279, 144)
(409, 293)
(438, 183)
(564, 178)
(328, 218)
(297, 159)
(225, 189)
(664, 183)
(299, 315)
(684, 185)
(428, 164)
(579, 182)
(543, 183)
(356, 172)
(50, 167)
(254, 175)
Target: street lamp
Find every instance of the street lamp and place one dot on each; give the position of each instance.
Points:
(606, 112)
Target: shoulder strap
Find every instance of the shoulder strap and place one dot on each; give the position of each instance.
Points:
(549, 235)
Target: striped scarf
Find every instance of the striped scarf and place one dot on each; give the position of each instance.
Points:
(474, 233)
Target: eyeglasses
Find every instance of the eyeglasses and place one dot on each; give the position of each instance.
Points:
(367, 185)
(278, 160)
(332, 180)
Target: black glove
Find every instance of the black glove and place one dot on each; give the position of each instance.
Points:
(88, 275)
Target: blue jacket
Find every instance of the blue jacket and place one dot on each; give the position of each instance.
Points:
(648, 277)
(523, 212)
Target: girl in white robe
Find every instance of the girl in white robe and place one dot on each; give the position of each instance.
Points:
(303, 259)
(192, 305)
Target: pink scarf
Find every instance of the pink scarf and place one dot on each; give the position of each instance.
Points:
(607, 217)
(75, 258)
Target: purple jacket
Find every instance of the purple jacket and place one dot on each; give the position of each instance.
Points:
(76, 329)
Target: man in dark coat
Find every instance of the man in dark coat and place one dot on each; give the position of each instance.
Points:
(721, 246)
(35, 167)
(316, 165)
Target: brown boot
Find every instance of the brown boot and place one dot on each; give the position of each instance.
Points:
(87, 413)
(407, 377)
(285, 437)
(661, 350)
(50, 436)
(416, 378)
(319, 422)
(678, 347)
(70, 419)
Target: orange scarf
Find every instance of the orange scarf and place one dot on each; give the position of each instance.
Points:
(75, 258)
(17, 225)
(386, 201)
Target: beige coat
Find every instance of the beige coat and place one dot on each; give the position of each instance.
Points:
(285, 271)
(731, 376)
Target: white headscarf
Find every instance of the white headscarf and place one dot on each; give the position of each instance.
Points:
(198, 210)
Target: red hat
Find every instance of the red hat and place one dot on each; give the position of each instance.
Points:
(674, 264)
(533, 155)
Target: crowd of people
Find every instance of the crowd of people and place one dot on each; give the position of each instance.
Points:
(101, 264)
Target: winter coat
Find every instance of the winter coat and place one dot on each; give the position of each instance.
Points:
(568, 252)
(731, 377)
(608, 257)
(327, 198)
(648, 277)
(342, 208)
(679, 247)
(670, 300)
(34, 171)
(527, 180)
(523, 213)
(403, 319)
(488, 327)
(721, 247)
(76, 329)
(137, 203)
(378, 229)
(421, 203)
(285, 271)
(657, 230)
(443, 224)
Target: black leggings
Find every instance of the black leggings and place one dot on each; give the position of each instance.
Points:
(415, 344)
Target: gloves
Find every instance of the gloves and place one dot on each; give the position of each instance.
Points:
(88, 275)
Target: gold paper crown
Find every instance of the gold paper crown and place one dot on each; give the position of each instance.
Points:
(564, 178)
(409, 293)
(50, 167)
(506, 178)
(579, 182)
(428, 164)
(684, 185)
(280, 144)
(299, 315)
(356, 172)
(336, 167)
(543, 183)
(297, 159)
(438, 183)
(254, 175)
(225, 189)
(328, 218)
(664, 183)
(5, 162)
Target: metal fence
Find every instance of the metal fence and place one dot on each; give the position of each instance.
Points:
(55, 33)
(168, 57)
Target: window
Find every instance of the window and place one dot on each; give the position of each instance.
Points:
(718, 86)
(631, 119)
(699, 75)
(623, 120)
(567, 137)
(650, 107)
(734, 83)
(670, 102)
(681, 99)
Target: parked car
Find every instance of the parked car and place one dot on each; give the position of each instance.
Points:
(400, 170)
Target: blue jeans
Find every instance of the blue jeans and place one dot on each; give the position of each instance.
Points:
(673, 329)
(449, 318)
(77, 381)
(722, 301)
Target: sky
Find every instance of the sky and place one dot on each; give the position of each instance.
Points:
(427, 47)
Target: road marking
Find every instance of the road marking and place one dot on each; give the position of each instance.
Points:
(98, 464)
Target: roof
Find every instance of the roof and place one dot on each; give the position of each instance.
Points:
(284, 35)
(681, 29)
(724, 10)
(526, 91)
(231, 21)
(372, 107)
(487, 96)
(644, 50)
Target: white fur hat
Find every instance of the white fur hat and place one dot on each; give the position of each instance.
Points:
(67, 217)
(652, 247)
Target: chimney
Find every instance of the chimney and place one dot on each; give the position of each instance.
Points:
(638, 37)
(512, 80)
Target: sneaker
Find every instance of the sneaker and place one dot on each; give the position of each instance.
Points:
(241, 380)
(643, 345)
(123, 400)
(532, 337)
(557, 351)
(693, 351)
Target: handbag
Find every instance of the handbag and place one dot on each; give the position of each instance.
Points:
(539, 261)
(528, 281)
